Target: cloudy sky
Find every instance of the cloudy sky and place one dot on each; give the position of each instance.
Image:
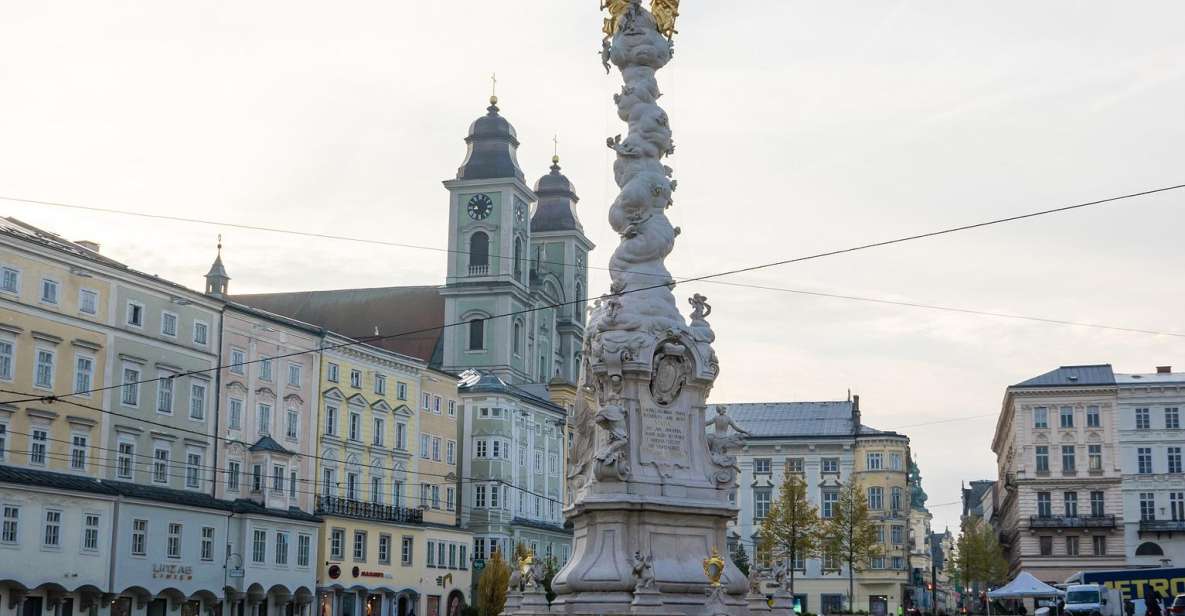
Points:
(801, 127)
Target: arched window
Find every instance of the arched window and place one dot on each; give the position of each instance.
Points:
(477, 334)
(518, 258)
(579, 302)
(517, 344)
(1149, 549)
(543, 369)
(479, 253)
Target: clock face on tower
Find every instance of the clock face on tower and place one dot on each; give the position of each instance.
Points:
(520, 213)
(480, 206)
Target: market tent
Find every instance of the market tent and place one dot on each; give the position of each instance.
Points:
(1024, 585)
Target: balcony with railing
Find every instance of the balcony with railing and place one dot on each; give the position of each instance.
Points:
(334, 505)
(1062, 521)
(479, 270)
(1162, 526)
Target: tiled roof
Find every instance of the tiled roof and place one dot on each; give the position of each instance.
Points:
(1095, 374)
(47, 479)
(267, 443)
(474, 381)
(794, 419)
(1150, 378)
(358, 313)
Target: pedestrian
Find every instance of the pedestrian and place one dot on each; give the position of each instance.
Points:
(1152, 604)
(1061, 606)
(1129, 607)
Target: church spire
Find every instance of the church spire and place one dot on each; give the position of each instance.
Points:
(217, 282)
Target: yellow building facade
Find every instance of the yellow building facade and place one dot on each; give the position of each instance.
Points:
(387, 486)
(881, 462)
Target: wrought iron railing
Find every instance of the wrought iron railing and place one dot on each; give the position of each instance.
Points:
(334, 505)
(1061, 521)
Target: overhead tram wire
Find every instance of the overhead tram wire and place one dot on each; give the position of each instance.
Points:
(706, 277)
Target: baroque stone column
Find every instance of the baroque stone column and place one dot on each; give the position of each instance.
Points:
(641, 473)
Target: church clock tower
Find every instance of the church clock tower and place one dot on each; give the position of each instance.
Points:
(488, 260)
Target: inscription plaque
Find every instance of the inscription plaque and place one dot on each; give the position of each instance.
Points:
(664, 435)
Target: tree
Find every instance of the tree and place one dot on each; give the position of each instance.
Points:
(791, 530)
(740, 558)
(491, 586)
(978, 555)
(850, 534)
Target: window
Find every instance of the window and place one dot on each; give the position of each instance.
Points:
(88, 301)
(360, 546)
(538, 458)
(451, 452)
(1092, 416)
(378, 431)
(794, 465)
(1099, 545)
(1177, 505)
(380, 384)
(135, 314)
(1147, 506)
(384, 549)
(201, 332)
(352, 486)
(894, 461)
(3, 439)
(44, 373)
(263, 418)
(1046, 544)
(78, 452)
(303, 548)
(38, 445)
(292, 484)
(1040, 417)
(52, 538)
(873, 461)
(376, 490)
(896, 498)
(1172, 418)
(436, 448)
(10, 280)
(1094, 456)
(232, 476)
(450, 498)
(256, 477)
(355, 427)
(1066, 417)
(1070, 499)
(235, 414)
(84, 371)
(431, 552)
(477, 335)
(131, 386)
(897, 534)
(479, 448)
(265, 369)
(281, 548)
(294, 375)
(278, 472)
(876, 498)
(397, 493)
(259, 546)
(160, 465)
(401, 436)
(479, 496)
(207, 549)
(1144, 460)
(331, 420)
(436, 405)
(337, 542)
(1071, 545)
(164, 393)
(426, 401)
(405, 550)
(197, 400)
(11, 530)
(123, 463)
(761, 466)
(452, 412)
(139, 537)
(1044, 505)
(1067, 458)
(1042, 458)
(401, 390)
(761, 499)
(331, 372)
(293, 422)
(1143, 419)
(237, 359)
(168, 324)
(878, 562)
(90, 532)
(49, 291)
(1097, 504)
(6, 353)
(830, 497)
(494, 499)
(1174, 459)
(356, 379)
(193, 470)
(173, 544)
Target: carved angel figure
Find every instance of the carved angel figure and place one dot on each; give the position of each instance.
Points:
(643, 570)
(665, 12)
(700, 309)
(617, 8)
(721, 441)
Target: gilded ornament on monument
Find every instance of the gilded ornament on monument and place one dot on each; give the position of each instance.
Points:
(714, 567)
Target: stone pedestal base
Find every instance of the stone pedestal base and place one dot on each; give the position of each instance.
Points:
(513, 599)
(533, 603)
(757, 604)
(783, 604)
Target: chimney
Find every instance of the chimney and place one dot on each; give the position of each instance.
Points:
(855, 413)
(89, 245)
(1164, 370)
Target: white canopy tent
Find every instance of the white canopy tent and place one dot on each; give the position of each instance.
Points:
(1023, 586)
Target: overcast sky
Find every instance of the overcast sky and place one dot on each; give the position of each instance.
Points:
(801, 127)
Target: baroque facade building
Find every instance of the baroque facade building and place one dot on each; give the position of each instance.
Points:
(827, 444)
(1059, 499)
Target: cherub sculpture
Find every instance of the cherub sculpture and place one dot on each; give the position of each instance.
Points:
(643, 570)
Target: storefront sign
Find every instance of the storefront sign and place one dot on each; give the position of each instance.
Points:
(335, 572)
(172, 572)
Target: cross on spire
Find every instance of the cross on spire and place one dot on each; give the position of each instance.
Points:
(555, 148)
(493, 88)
